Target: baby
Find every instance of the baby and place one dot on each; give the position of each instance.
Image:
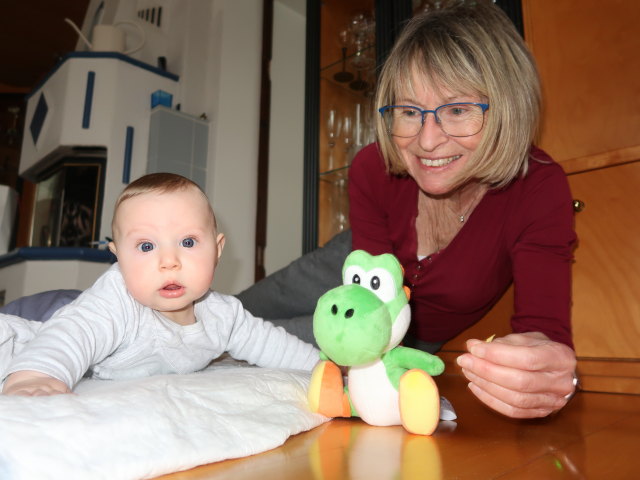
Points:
(153, 311)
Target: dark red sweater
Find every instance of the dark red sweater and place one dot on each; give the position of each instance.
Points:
(522, 233)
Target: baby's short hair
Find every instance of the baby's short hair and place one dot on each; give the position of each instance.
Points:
(162, 182)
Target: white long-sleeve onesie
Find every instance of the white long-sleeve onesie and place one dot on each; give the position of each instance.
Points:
(108, 333)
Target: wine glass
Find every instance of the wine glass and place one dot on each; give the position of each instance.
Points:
(345, 39)
(334, 126)
(427, 5)
(341, 213)
(358, 129)
(347, 137)
(368, 129)
(363, 27)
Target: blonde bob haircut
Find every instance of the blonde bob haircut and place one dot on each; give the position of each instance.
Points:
(159, 183)
(469, 48)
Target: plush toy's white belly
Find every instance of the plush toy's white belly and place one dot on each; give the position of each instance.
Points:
(373, 396)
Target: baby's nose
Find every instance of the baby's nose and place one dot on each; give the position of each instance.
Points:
(169, 261)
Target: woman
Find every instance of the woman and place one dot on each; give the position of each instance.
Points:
(456, 191)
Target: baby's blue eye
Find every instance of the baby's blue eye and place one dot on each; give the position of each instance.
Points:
(145, 246)
(188, 242)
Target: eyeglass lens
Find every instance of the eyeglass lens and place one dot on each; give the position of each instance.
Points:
(460, 120)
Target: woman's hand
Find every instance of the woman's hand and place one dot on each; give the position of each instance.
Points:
(522, 375)
(30, 383)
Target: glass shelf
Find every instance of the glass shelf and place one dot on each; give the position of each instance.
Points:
(337, 65)
(335, 175)
(359, 81)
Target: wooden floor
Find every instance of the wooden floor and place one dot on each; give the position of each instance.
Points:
(597, 436)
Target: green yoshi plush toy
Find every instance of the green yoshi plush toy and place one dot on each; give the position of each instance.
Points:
(360, 325)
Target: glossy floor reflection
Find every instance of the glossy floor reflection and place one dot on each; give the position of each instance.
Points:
(596, 436)
(370, 452)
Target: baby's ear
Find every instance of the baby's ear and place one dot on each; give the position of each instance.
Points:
(112, 248)
(220, 239)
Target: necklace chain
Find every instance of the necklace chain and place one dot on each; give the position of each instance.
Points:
(439, 229)
(464, 215)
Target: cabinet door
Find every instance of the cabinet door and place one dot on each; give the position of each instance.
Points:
(587, 55)
(606, 278)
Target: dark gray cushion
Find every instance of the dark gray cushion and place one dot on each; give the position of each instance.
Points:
(40, 306)
(294, 290)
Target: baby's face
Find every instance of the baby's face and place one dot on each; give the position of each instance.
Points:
(167, 250)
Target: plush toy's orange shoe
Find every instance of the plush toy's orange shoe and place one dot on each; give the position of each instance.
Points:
(419, 402)
(326, 393)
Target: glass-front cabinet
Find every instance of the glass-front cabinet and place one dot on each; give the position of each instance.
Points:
(346, 41)
(347, 79)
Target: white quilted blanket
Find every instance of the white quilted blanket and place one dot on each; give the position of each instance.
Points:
(145, 428)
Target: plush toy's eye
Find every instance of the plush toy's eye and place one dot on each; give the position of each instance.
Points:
(353, 274)
(378, 280)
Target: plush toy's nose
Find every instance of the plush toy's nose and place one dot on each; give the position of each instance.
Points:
(348, 313)
(351, 325)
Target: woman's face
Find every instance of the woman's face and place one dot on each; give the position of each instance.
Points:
(433, 158)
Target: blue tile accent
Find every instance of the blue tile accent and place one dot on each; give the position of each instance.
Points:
(39, 116)
(128, 146)
(88, 100)
(56, 253)
(160, 97)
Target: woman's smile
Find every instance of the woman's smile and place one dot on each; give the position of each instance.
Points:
(438, 162)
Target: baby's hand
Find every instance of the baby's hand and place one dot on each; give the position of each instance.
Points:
(30, 383)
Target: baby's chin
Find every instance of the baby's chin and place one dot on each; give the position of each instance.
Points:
(171, 301)
(167, 306)
(184, 315)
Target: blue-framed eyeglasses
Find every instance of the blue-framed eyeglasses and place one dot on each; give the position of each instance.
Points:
(456, 119)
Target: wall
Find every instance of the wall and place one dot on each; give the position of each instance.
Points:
(286, 144)
(233, 71)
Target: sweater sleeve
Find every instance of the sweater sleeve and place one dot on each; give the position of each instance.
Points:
(542, 254)
(367, 214)
(80, 334)
(255, 340)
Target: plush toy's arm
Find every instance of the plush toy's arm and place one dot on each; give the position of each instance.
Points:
(401, 359)
(413, 358)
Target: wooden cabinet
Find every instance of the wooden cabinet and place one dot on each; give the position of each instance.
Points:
(587, 54)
